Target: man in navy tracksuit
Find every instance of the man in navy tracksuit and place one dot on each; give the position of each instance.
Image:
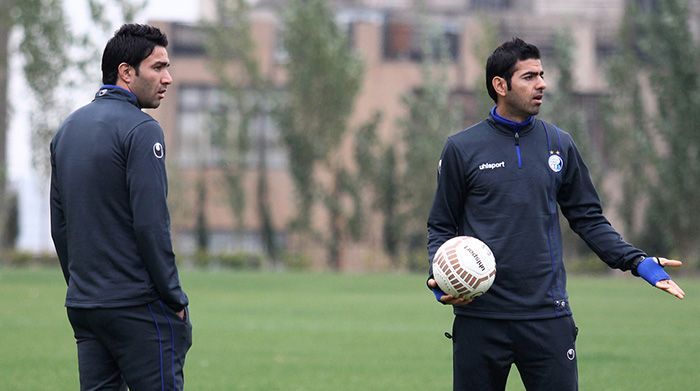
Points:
(501, 181)
(111, 227)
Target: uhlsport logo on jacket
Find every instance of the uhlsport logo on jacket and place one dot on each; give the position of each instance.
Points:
(492, 166)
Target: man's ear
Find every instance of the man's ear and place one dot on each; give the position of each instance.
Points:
(125, 72)
(499, 85)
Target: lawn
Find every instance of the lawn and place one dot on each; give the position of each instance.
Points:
(305, 331)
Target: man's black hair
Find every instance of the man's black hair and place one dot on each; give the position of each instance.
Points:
(131, 44)
(502, 61)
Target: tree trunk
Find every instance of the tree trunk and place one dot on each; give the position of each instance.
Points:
(5, 28)
(202, 226)
(336, 231)
(267, 231)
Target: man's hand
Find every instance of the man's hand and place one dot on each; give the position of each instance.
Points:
(181, 314)
(447, 299)
(668, 285)
(651, 270)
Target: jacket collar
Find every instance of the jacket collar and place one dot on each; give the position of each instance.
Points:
(504, 124)
(116, 92)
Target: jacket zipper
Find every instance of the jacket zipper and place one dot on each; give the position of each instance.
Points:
(517, 149)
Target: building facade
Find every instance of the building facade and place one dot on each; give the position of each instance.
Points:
(388, 35)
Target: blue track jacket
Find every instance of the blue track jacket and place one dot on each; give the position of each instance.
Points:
(502, 184)
(109, 218)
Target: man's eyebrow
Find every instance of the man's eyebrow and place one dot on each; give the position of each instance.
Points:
(533, 73)
(161, 63)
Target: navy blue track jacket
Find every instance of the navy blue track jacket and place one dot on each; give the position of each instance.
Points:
(502, 185)
(109, 218)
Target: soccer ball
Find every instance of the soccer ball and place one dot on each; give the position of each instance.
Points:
(464, 267)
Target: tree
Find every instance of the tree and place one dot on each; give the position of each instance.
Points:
(42, 47)
(378, 168)
(430, 118)
(657, 146)
(323, 81)
(562, 110)
(483, 46)
(246, 97)
(48, 49)
(5, 27)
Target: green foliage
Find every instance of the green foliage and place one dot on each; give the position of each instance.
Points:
(45, 38)
(237, 260)
(562, 110)
(482, 48)
(324, 77)
(323, 80)
(378, 169)
(5, 28)
(246, 95)
(48, 47)
(228, 38)
(295, 261)
(587, 265)
(388, 202)
(430, 119)
(17, 258)
(561, 107)
(416, 260)
(662, 150)
(10, 220)
(201, 225)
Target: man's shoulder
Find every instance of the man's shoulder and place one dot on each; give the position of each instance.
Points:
(473, 133)
(553, 128)
(118, 113)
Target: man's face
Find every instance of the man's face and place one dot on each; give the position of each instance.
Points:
(524, 98)
(153, 79)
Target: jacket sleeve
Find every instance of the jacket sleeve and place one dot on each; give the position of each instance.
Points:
(448, 205)
(147, 183)
(58, 220)
(581, 206)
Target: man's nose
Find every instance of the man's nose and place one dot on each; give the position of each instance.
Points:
(541, 84)
(167, 78)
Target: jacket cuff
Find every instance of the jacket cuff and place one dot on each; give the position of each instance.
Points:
(635, 265)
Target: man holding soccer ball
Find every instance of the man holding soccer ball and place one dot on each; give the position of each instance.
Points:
(501, 181)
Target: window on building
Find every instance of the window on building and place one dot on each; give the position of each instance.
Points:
(405, 40)
(490, 5)
(207, 132)
(280, 53)
(187, 40)
(604, 51)
(348, 18)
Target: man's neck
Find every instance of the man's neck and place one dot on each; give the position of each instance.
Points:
(510, 116)
(510, 121)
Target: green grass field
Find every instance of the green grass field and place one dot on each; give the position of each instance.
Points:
(304, 331)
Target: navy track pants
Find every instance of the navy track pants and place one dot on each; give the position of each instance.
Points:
(543, 350)
(142, 347)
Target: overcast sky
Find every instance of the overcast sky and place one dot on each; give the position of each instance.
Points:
(185, 10)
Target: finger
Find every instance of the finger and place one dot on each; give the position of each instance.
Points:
(448, 299)
(677, 291)
(671, 287)
(670, 262)
(465, 302)
(432, 283)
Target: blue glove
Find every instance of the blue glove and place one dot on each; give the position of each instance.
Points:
(651, 270)
(438, 293)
